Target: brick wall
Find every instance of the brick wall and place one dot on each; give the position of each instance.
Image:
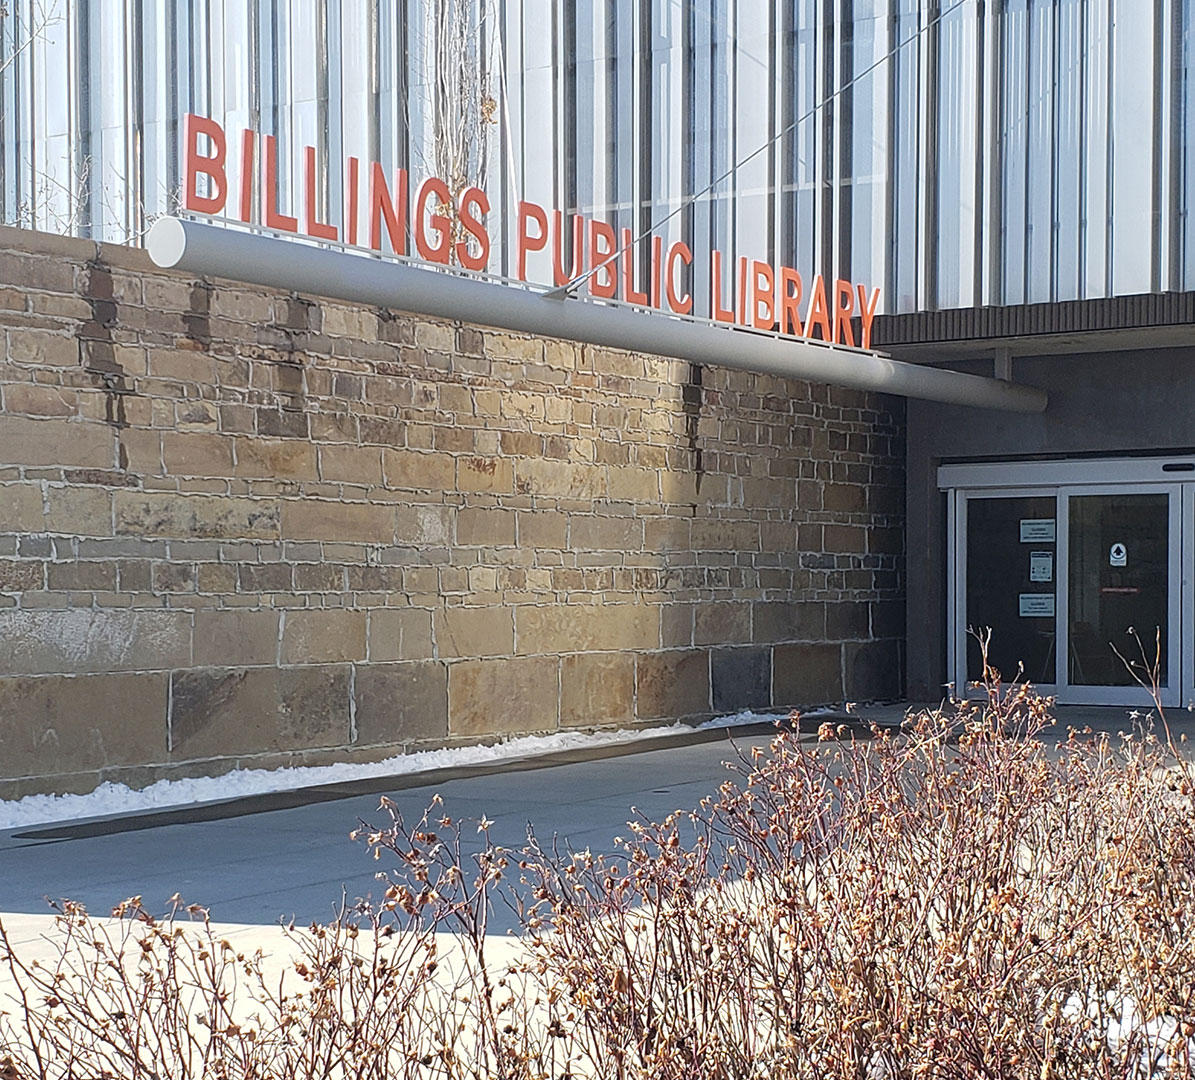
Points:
(239, 527)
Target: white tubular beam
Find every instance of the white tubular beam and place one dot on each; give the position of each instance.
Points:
(215, 251)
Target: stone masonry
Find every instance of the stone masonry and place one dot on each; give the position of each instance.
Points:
(244, 528)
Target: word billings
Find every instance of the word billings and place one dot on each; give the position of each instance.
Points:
(747, 293)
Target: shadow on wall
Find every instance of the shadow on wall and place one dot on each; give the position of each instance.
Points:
(780, 547)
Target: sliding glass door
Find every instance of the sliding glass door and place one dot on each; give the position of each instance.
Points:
(1083, 589)
(1123, 593)
(1010, 587)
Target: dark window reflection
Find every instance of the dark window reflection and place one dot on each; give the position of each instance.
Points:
(1011, 573)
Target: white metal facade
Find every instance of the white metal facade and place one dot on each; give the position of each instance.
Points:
(1000, 152)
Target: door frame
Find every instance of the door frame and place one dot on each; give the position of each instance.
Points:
(1172, 475)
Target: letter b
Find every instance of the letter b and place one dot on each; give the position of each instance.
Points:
(211, 165)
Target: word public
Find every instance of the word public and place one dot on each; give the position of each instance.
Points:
(746, 293)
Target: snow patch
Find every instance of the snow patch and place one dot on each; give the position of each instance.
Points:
(111, 799)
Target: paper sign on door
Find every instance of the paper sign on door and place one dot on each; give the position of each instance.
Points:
(1041, 566)
(1037, 529)
(1033, 605)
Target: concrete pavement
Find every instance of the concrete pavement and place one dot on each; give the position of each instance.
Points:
(256, 861)
(255, 865)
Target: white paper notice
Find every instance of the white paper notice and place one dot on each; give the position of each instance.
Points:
(1041, 566)
(1036, 604)
(1037, 530)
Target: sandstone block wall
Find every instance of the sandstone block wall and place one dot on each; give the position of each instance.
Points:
(239, 527)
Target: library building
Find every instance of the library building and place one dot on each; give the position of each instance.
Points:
(689, 359)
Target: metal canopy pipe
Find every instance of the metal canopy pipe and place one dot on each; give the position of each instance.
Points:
(204, 249)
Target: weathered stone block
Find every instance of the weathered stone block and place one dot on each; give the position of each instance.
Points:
(485, 527)
(465, 632)
(725, 535)
(672, 684)
(844, 498)
(21, 508)
(845, 538)
(410, 470)
(216, 578)
(522, 444)
(847, 620)
(216, 712)
(41, 348)
(560, 628)
(169, 515)
(190, 454)
(81, 576)
(872, 670)
(616, 362)
(360, 465)
(596, 689)
(440, 337)
(286, 423)
(807, 674)
(322, 577)
(400, 634)
(56, 442)
(676, 626)
(264, 578)
(509, 347)
(423, 526)
(19, 575)
(58, 724)
(542, 529)
(545, 477)
(78, 511)
(241, 305)
(276, 459)
(741, 678)
(78, 640)
(484, 474)
(319, 519)
(140, 452)
(594, 533)
(31, 399)
(316, 637)
(788, 621)
(405, 702)
(182, 365)
(888, 618)
(350, 322)
(633, 485)
(235, 638)
(722, 623)
(488, 697)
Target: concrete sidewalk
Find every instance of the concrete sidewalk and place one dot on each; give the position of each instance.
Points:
(256, 861)
(252, 864)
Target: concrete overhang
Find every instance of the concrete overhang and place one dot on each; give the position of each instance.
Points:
(1117, 324)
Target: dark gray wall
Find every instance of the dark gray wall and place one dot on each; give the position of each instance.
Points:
(1112, 403)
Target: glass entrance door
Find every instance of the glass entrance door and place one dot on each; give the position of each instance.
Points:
(1123, 593)
(1010, 589)
(1081, 585)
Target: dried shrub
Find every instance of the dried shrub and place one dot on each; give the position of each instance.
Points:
(956, 899)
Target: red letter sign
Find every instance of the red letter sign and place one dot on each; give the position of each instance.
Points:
(210, 165)
(473, 202)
